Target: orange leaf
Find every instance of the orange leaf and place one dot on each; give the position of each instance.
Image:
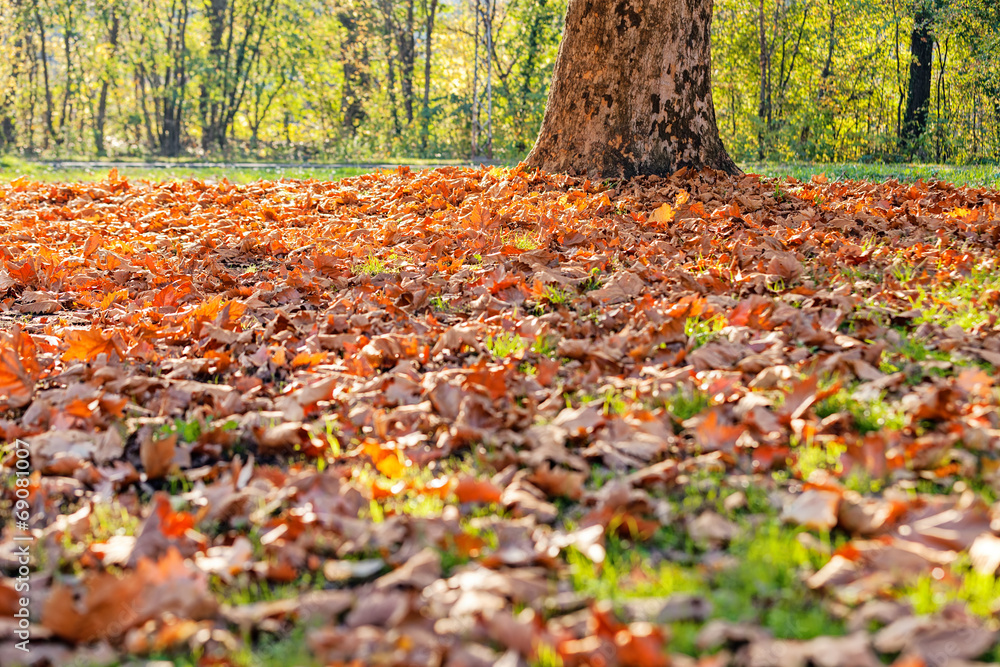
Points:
(436, 488)
(714, 435)
(641, 645)
(87, 345)
(387, 461)
(308, 360)
(469, 546)
(81, 409)
(113, 297)
(665, 213)
(471, 490)
(18, 368)
(93, 243)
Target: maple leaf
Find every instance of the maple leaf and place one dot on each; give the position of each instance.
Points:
(714, 434)
(19, 368)
(88, 344)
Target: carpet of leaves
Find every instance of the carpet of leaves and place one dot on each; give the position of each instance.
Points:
(404, 408)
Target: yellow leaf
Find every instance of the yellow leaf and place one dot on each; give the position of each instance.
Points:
(664, 213)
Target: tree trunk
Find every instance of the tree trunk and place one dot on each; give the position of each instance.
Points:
(425, 114)
(68, 88)
(216, 11)
(102, 100)
(407, 60)
(388, 33)
(919, 96)
(764, 98)
(174, 83)
(528, 72)
(632, 91)
(831, 41)
(354, 56)
(49, 131)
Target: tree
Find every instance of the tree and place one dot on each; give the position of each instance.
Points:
(236, 34)
(111, 18)
(632, 91)
(161, 62)
(355, 62)
(919, 96)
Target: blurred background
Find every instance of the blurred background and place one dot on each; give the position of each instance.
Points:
(862, 81)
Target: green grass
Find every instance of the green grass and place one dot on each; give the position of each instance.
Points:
(12, 168)
(524, 241)
(812, 457)
(762, 584)
(686, 402)
(505, 345)
(190, 430)
(546, 346)
(374, 265)
(957, 302)
(868, 416)
(981, 593)
(976, 175)
(593, 281)
(703, 331)
(557, 296)
(612, 402)
(270, 651)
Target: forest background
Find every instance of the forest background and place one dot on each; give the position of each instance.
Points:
(813, 80)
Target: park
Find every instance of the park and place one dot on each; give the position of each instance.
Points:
(597, 333)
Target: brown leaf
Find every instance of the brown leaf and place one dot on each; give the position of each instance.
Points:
(622, 286)
(814, 508)
(157, 454)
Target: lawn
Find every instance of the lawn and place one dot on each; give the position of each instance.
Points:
(470, 415)
(11, 168)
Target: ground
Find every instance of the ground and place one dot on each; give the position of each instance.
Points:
(463, 416)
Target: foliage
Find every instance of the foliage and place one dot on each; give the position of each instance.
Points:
(817, 80)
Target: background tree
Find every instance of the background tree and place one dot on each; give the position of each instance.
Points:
(376, 79)
(919, 93)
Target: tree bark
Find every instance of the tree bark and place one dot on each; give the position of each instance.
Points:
(407, 60)
(112, 20)
(354, 55)
(68, 88)
(425, 114)
(216, 11)
(388, 35)
(764, 98)
(49, 131)
(919, 96)
(174, 81)
(632, 91)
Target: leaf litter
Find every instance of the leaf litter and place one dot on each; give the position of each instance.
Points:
(363, 401)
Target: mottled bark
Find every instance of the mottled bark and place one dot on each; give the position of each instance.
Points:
(632, 91)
